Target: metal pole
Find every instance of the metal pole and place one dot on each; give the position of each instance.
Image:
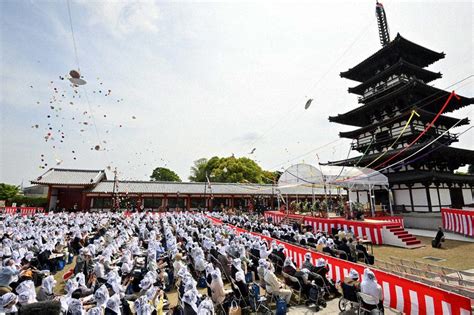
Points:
(390, 196)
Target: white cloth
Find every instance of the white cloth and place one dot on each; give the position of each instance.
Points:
(370, 286)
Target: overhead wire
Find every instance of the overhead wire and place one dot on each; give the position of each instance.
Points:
(285, 116)
(78, 67)
(375, 172)
(413, 113)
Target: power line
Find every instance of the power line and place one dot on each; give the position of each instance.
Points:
(292, 109)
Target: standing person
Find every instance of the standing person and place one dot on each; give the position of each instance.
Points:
(370, 287)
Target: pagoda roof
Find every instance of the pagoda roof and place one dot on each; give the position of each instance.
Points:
(430, 97)
(70, 177)
(443, 152)
(428, 176)
(398, 48)
(402, 66)
(425, 117)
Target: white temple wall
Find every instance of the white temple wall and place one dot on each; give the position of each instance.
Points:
(467, 195)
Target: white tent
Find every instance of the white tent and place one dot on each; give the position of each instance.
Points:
(358, 178)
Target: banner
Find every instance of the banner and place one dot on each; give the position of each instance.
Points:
(22, 210)
(407, 296)
(459, 221)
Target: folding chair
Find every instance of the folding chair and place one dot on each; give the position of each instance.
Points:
(467, 283)
(298, 291)
(421, 265)
(451, 280)
(451, 272)
(463, 274)
(259, 302)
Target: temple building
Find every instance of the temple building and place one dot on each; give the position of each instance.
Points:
(92, 190)
(397, 102)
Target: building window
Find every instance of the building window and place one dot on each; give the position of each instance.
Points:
(198, 202)
(152, 202)
(102, 202)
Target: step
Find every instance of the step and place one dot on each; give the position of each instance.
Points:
(408, 239)
(414, 242)
(394, 229)
(401, 233)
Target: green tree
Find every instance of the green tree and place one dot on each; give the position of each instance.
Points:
(470, 169)
(202, 167)
(164, 174)
(198, 171)
(231, 170)
(8, 191)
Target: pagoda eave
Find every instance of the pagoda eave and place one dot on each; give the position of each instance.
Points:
(429, 98)
(414, 53)
(425, 117)
(411, 177)
(401, 66)
(439, 152)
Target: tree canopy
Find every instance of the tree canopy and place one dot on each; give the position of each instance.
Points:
(470, 169)
(231, 170)
(8, 191)
(164, 174)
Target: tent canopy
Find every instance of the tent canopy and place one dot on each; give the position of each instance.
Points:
(360, 178)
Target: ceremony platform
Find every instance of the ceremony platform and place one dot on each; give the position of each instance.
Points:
(379, 230)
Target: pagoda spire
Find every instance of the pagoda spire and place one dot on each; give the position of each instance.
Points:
(382, 24)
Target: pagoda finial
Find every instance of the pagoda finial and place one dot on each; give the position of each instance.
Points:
(384, 34)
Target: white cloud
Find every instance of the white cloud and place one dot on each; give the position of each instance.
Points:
(124, 17)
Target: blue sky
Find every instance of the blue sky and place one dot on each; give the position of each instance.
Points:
(201, 78)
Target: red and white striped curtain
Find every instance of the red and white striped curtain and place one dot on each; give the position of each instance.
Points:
(459, 221)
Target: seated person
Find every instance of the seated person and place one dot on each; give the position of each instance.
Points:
(289, 267)
(362, 250)
(45, 292)
(274, 286)
(322, 269)
(370, 287)
(351, 286)
(345, 248)
(307, 264)
(439, 238)
(217, 288)
(242, 284)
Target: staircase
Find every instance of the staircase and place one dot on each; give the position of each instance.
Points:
(397, 236)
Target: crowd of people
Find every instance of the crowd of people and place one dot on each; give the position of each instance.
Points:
(341, 243)
(130, 264)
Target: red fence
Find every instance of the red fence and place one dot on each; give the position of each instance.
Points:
(459, 221)
(407, 296)
(22, 210)
(362, 229)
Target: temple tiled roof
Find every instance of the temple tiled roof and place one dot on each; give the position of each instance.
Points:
(151, 187)
(60, 176)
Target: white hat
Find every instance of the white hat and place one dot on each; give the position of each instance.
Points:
(353, 274)
(320, 262)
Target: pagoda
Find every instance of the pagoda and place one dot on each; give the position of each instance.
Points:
(396, 103)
